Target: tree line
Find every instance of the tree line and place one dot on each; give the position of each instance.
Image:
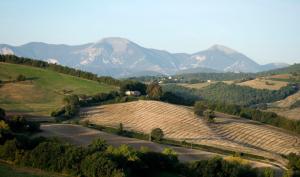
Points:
(233, 94)
(59, 68)
(270, 118)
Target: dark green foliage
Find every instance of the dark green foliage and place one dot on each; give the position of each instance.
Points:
(98, 164)
(209, 115)
(72, 159)
(120, 129)
(131, 85)
(17, 123)
(71, 100)
(48, 155)
(98, 160)
(98, 98)
(58, 68)
(270, 118)
(157, 134)
(295, 68)
(293, 165)
(153, 161)
(294, 161)
(71, 108)
(20, 124)
(241, 95)
(217, 167)
(200, 77)
(197, 77)
(58, 112)
(2, 114)
(98, 145)
(21, 77)
(268, 172)
(8, 150)
(173, 98)
(199, 108)
(233, 94)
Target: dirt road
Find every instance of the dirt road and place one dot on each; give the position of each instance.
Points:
(83, 136)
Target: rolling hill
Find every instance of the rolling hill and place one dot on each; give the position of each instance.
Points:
(180, 123)
(43, 90)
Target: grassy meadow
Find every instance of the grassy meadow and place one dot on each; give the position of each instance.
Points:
(43, 90)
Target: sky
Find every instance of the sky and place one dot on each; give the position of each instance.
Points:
(264, 30)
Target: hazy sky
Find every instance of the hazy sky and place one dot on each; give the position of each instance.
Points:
(264, 30)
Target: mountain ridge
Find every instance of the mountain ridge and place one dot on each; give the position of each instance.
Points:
(120, 57)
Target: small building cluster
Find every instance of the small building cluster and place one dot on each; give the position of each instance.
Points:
(132, 93)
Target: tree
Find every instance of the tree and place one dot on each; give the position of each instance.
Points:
(4, 129)
(199, 108)
(268, 172)
(21, 77)
(71, 100)
(97, 145)
(154, 91)
(98, 164)
(2, 114)
(209, 115)
(157, 134)
(120, 129)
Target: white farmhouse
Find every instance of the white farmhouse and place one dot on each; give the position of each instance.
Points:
(132, 93)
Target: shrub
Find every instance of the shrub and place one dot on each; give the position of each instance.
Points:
(72, 159)
(199, 108)
(218, 167)
(8, 150)
(17, 123)
(21, 77)
(268, 172)
(2, 114)
(33, 126)
(98, 164)
(48, 156)
(209, 115)
(97, 145)
(120, 129)
(157, 134)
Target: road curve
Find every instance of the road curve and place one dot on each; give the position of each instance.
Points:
(83, 136)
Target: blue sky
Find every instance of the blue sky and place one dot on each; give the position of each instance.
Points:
(264, 30)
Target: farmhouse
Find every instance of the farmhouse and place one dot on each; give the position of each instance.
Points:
(132, 93)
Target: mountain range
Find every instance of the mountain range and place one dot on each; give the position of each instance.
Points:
(119, 57)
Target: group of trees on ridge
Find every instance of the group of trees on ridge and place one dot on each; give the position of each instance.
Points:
(233, 94)
(265, 117)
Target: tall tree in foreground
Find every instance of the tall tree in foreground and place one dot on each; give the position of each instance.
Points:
(154, 91)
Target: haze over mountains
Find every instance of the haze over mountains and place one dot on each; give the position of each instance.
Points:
(120, 57)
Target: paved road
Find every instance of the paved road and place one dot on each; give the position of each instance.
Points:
(83, 136)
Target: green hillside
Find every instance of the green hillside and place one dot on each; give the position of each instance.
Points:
(43, 90)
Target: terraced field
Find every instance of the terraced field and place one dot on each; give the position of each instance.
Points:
(261, 83)
(282, 107)
(180, 123)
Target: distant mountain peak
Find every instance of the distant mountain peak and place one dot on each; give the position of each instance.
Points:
(113, 40)
(222, 48)
(120, 57)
